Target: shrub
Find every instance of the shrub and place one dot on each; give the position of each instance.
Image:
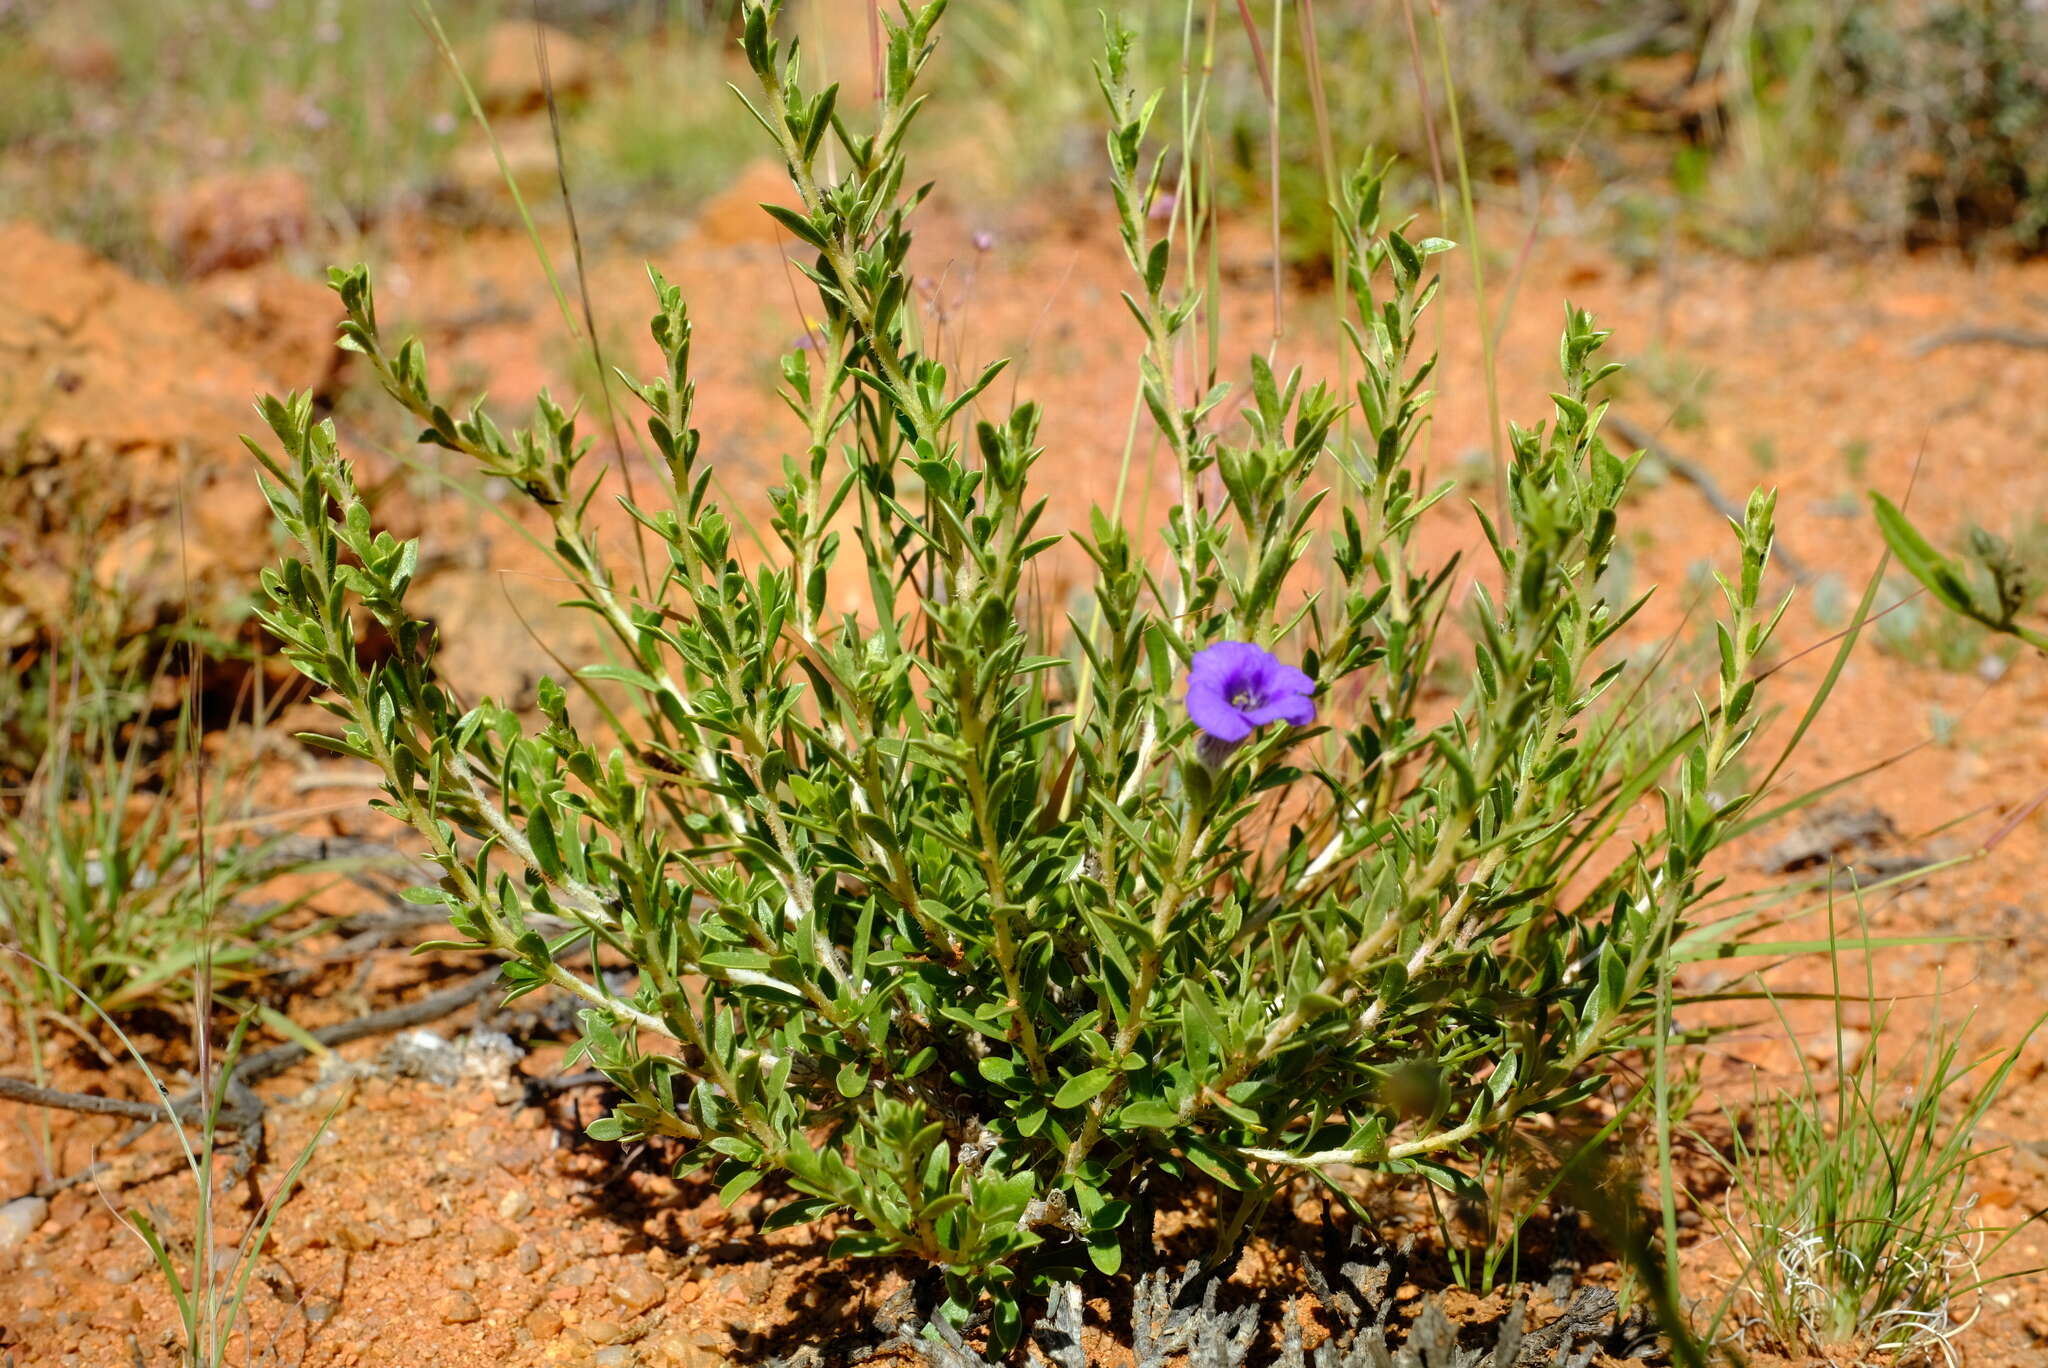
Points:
(968, 926)
(1961, 95)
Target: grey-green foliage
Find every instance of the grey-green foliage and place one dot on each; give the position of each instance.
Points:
(1179, 1317)
(1957, 92)
(936, 910)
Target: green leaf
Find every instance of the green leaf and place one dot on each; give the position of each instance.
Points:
(739, 1185)
(1150, 1113)
(1082, 1087)
(795, 1213)
(861, 1244)
(540, 834)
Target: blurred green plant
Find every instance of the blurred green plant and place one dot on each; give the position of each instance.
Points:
(1993, 587)
(175, 93)
(1919, 122)
(663, 124)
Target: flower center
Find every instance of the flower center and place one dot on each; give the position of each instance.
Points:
(1244, 696)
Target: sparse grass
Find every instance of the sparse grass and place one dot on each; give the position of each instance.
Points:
(1899, 122)
(105, 884)
(162, 95)
(1851, 1206)
(208, 1277)
(664, 124)
(207, 1269)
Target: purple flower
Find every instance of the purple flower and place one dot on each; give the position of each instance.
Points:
(1234, 688)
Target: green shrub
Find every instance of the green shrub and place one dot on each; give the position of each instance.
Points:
(963, 921)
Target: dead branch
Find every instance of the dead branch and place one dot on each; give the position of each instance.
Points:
(1640, 437)
(1974, 333)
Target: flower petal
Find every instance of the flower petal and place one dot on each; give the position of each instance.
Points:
(1297, 709)
(1224, 664)
(1283, 678)
(1211, 711)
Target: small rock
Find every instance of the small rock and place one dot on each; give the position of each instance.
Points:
(19, 1220)
(614, 1356)
(544, 1321)
(234, 219)
(353, 1236)
(638, 1290)
(515, 1205)
(576, 1275)
(459, 1308)
(282, 321)
(527, 1260)
(420, 1228)
(489, 1240)
(1843, 1052)
(604, 1330)
(694, 1349)
(462, 1277)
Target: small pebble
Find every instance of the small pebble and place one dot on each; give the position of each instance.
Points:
(420, 1228)
(695, 1349)
(19, 1219)
(515, 1205)
(353, 1236)
(603, 1330)
(462, 1278)
(489, 1240)
(459, 1308)
(638, 1290)
(614, 1356)
(527, 1260)
(544, 1321)
(576, 1275)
